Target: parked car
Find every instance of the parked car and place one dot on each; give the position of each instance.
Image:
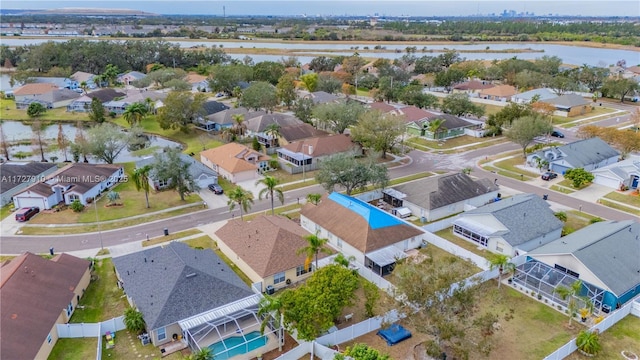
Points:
(217, 189)
(558, 134)
(549, 176)
(25, 214)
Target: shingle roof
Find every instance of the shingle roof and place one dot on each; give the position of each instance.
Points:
(105, 95)
(33, 293)
(14, 174)
(192, 78)
(412, 113)
(543, 93)
(439, 191)
(322, 146)
(81, 76)
(268, 244)
(212, 107)
(174, 282)
(474, 85)
(196, 168)
(226, 117)
(586, 152)
(322, 97)
(260, 123)
(452, 122)
(58, 95)
(568, 101)
(231, 157)
(609, 249)
(526, 217)
(500, 90)
(621, 170)
(80, 177)
(35, 89)
(300, 131)
(361, 225)
(382, 106)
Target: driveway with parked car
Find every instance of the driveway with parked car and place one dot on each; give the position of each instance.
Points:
(549, 176)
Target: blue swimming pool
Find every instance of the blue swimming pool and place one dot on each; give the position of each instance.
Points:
(254, 341)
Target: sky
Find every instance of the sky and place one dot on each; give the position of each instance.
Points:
(351, 7)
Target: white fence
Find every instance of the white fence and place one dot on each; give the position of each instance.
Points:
(379, 281)
(608, 322)
(312, 348)
(90, 330)
(359, 329)
(441, 224)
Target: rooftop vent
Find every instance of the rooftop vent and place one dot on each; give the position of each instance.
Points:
(191, 275)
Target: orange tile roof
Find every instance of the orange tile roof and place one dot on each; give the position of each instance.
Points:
(35, 89)
(232, 157)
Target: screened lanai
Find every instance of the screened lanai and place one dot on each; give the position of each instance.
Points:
(229, 330)
(544, 279)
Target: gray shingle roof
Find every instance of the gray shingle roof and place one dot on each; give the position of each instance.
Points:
(260, 123)
(225, 117)
(195, 169)
(586, 152)
(436, 192)
(609, 249)
(452, 122)
(526, 216)
(544, 94)
(174, 282)
(567, 101)
(322, 97)
(14, 174)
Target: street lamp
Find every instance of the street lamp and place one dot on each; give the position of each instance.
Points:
(95, 206)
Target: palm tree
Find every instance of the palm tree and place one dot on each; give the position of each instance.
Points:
(203, 354)
(434, 127)
(589, 342)
(239, 126)
(570, 292)
(273, 131)
(150, 105)
(314, 198)
(133, 320)
(340, 259)
(242, 198)
(315, 245)
(502, 263)
(271, 189)
(141, 180)
(83, 86)
(271, 307)
(134, 113)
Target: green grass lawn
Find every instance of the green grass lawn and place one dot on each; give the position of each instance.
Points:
(633, 200)
(194, 141)
(448, 235)
(8, 111)
(598, 111)
(576, 220)
(561, 189)
(170, 237)
(6, 211)
(617, 206)
(74, 349)
(510, 165)
(450, 143)
(624, 335)
(102, 300)
(569, 184)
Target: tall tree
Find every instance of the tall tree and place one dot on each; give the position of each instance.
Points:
(303, 110)
(259, 95)
(286, 90)
(180, 109)
(350, 173)
(459, 104)
(338, 116)
(310, 81)
(619, 88)
(4, 143)
(269, 71)
(448, 78)
(270, 307)
(314, 198)
(38, 140)
(507, 114)
(168, 166)
(63, 142)
(80, 142)
(141, 181)
(241, 198)
(434, 127)
(315, 245)
(134, 113)
(502, 263)
(328, 83)
(322, 63)
(271, 190)
(525, 129)
(110, 74)
(273, 132)
(224, 78)
(378, 131)
(570, 294)
(238, 124)
(96, 111)
(106, 141)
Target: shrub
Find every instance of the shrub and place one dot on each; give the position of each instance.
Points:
(589, 342)
(76, 206)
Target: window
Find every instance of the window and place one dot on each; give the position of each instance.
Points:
(74, 197)
(162, 334)
(278, 278)
(339, 243)
(162, 183)
(300, 270)
(49, 339)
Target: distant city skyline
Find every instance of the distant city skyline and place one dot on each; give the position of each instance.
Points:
(352, 7)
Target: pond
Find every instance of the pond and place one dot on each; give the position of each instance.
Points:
(19, 135)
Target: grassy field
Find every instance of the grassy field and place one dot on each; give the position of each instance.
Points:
(561, 189)
(568, 122)
(576, 220)
(102, 300)
(510, 165)
(6, 211)
(633, 200)
(448, 235)
(170, 237)
(74, 349)
(8, 111)
(617, 206)
(624, 335)
(450, 143)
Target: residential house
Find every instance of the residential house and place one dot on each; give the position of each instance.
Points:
(603, 255)
(452, 126)
(589, 154)
(179, 290)
(119, 106)
(226, 118)
(60, 82)
(83, 103)
(437, 197)
(373, 236)
(209, 108)
(28, 91)
(18, 176)
(511, 226)
(412, 114)
(51, 100)
(199, 83)
(80, 181)
(472, 88)
(131, 76)
(498, 93)
(257, 126)
(84, 77)
(291, 133)
(307, 154)
(322, 97)
(266, 250)
(36, 294)
(569, 105)
(235, 162)
(202, 175)
(381, 106)
(623, 174)
(106, 95)
(527, 97)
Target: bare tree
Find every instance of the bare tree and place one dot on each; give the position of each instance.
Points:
(38, 140)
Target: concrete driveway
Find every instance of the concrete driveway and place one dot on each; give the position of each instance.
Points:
(213, 201)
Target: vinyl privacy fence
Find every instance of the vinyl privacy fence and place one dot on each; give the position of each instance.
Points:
(90, 330)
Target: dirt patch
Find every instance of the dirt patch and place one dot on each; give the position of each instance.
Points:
(289, 343)
(401, 351)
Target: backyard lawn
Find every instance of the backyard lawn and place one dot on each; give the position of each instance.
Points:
(102, 300)
(623, 336)
(8, 111)
(576, 220)
(448, 235)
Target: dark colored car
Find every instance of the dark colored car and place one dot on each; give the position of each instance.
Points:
(549, 176)
(556, 133)
(25, 214)
(217, 189)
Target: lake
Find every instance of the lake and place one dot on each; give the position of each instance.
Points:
(16, 131)
(577, 55)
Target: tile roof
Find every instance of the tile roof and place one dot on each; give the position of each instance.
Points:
(322, 146)
(35, 89)
(474, 85)
(14, 174)
(363, 226)
(526, 217)
(268, 244)
(232, 157)
(260, 123)
(33, 293)
(443, 190)
(301, 131)
(174, 282)
(500, 90)
(568, 101)
(609, 249)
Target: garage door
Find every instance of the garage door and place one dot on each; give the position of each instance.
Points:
(606, 181)
(29, 202)
(204, 181)
(559, 168)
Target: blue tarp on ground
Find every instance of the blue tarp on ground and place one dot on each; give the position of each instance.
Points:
(394, 334)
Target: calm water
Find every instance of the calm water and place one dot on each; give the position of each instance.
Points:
(255, 341)
(569, 54)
